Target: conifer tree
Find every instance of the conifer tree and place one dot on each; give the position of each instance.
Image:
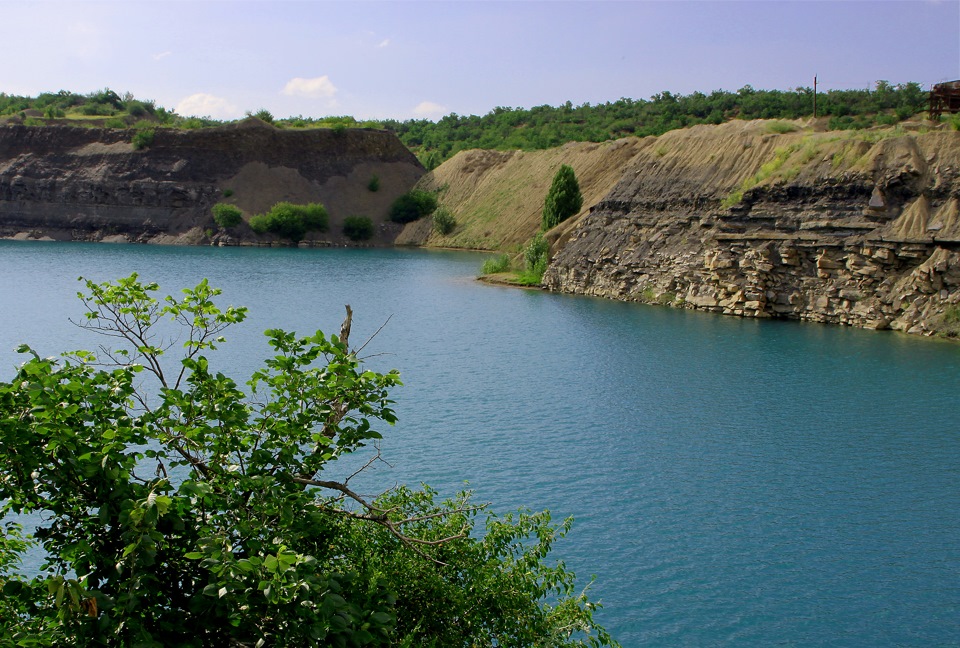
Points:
(563, 200)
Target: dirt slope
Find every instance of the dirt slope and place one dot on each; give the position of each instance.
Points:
(497, 196)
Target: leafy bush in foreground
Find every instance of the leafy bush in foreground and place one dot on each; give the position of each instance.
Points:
(195, 512)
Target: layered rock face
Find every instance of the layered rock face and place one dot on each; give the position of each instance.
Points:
(848, 229)
(88, 184)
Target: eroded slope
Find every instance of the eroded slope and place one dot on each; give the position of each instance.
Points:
(89, 184)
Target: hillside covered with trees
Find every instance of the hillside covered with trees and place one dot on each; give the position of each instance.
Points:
(540, 127)
(544, 127)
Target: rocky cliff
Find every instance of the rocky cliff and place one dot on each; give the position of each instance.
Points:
(72, 183)
(747, 220)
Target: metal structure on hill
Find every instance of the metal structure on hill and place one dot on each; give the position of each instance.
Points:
(944, 97)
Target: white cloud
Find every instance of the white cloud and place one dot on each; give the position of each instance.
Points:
(316, 87)
(429, 109)
(384, 43)
(162, 55)
(207, 105)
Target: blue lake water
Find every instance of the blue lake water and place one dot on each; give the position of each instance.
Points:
(734, 482)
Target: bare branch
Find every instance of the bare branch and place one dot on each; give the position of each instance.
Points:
(375, 334)
(340, 488)
(370, 462)
(381, 516)
(345, 327)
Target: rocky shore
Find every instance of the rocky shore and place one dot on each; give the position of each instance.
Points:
(813, 226)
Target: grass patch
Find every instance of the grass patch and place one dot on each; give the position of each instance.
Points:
(809, 152)
(528, 278)
(649, 295)
(496, 265)
(767, 170)
(840, 156)
(780, 127)
(950, 322)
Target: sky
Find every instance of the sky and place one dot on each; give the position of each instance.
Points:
(406, 59)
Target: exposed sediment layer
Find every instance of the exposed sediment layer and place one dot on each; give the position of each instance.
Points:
(858, 229)
(89, 184)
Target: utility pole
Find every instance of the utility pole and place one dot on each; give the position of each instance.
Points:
(814, 96)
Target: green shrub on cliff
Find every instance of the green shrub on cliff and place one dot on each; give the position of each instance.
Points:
(264, 115)
(142, 138)
(97, 110)
(443, 221)
(412, 206)
(563, 199)
(291, 221)
(358, 228)
(226, 215)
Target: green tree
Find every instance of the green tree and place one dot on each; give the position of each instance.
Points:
(563, 199)
(189, 511)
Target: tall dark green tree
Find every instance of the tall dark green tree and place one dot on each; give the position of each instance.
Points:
(563, 200)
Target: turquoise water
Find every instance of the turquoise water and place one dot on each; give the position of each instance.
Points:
(734, 482)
